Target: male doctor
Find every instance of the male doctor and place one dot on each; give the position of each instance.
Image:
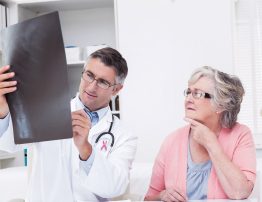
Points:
(79, 169)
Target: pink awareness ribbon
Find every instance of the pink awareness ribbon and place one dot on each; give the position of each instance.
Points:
(104, 145)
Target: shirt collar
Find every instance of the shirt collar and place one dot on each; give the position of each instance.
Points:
(101, 112)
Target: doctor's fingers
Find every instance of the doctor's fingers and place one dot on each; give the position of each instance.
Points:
(78, 130)
(4, 68)
(80, 117)
(7, 84)
(83, 124)
(6, 75)
(4, 91)
(80, 112)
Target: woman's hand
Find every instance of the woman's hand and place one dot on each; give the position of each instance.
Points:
(81, 126)
(5, 87)
(201, 134)
(171, 195)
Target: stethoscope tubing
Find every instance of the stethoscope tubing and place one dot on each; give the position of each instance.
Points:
(108, 133)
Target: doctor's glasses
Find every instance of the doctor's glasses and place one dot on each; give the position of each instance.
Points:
(197, 94)
(101, 83)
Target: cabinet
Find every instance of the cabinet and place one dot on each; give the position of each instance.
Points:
(5, 156)
(84, 23)
(3, 24)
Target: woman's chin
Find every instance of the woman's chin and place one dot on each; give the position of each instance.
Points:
(190, 116)
(194, 117)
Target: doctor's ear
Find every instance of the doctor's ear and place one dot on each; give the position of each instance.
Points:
(117, 88)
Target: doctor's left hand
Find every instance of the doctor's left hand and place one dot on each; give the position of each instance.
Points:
(81, 125)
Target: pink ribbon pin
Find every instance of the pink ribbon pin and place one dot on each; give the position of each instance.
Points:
(104, 145)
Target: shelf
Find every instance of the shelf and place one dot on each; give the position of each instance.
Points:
(76, 63)
(6, 155)
(42, 6)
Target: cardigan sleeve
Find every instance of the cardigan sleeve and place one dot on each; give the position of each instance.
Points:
(244, 155)
(170, 165)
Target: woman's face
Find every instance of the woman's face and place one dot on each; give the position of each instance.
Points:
(198, 104)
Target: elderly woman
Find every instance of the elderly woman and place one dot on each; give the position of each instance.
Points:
(214, 156)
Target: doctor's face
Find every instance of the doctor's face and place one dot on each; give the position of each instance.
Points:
(98, 84)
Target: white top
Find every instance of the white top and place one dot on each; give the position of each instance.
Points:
(57, 174)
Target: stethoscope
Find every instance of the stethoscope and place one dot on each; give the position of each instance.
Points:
(107, 133)
(104, 142)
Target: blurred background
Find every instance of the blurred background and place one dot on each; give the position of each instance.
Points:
(163, 42)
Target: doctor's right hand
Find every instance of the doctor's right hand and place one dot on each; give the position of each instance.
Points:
(81, 125)
(5, 87)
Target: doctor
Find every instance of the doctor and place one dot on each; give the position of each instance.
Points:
(90, 166)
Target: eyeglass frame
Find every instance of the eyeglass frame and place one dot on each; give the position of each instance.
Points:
(194, 93)
(98, 80)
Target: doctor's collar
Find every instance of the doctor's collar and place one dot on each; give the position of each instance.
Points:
(101, 112)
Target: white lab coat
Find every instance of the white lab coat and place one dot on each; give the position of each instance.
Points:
(56, 171)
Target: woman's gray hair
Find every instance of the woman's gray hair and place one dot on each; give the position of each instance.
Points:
(228, 93)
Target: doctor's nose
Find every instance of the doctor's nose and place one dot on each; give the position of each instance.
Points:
(92, 85)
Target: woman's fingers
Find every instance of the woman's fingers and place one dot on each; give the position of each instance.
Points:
(173, 195)
(178, 195)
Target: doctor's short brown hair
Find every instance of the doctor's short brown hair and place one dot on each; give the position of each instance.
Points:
(112, 58)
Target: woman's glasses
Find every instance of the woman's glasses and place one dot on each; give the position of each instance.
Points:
(197, 94)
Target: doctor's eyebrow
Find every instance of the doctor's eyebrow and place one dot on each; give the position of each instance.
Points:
(100, 79)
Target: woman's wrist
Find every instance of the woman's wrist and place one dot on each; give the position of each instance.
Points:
(213, 147)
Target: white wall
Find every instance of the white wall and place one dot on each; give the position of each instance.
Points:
(163, 41)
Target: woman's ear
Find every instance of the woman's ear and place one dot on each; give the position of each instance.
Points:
(219, 111)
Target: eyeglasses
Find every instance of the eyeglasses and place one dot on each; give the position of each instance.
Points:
(197, 94)
(101, 83)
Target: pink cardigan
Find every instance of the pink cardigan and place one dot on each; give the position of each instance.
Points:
(170, 168)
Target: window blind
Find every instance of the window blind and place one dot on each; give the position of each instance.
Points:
(248, 60)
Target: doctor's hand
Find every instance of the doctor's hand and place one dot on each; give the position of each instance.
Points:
(81, 125)
(5, 87)
(201, 133)
(171, 195)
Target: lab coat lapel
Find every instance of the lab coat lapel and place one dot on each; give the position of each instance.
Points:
(101, 126)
